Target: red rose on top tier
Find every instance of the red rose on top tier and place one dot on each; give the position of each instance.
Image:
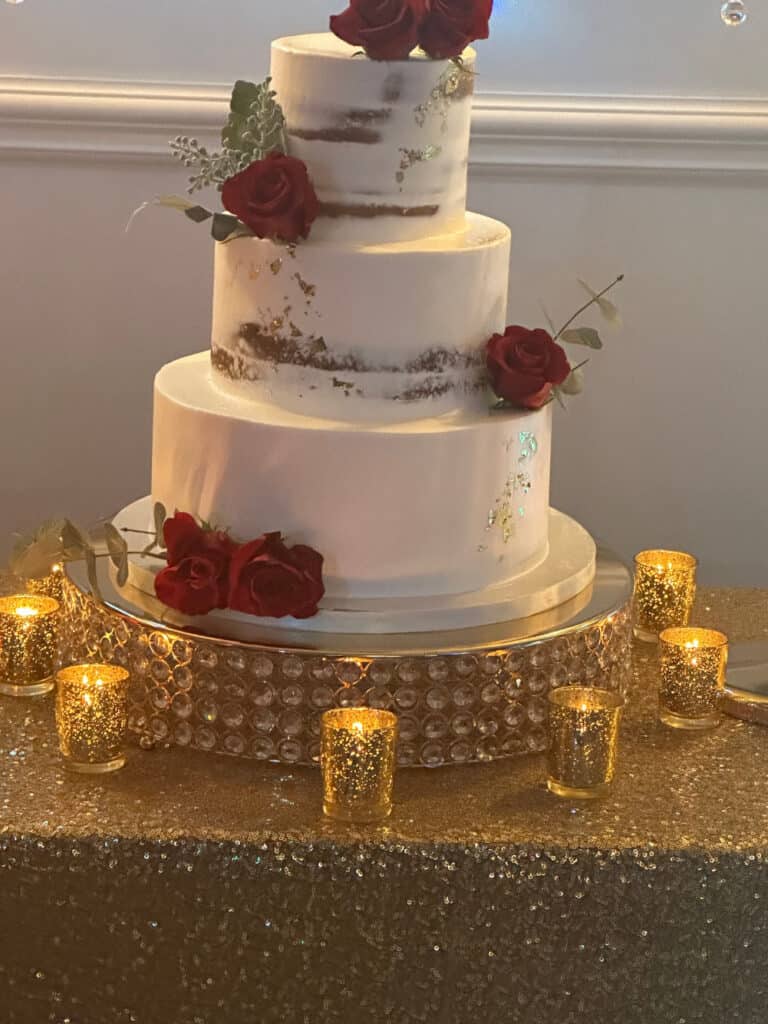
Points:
(385, 29)
(449, 26)
(195, 580)
(274, 197)
(525, 365)
(268, 578)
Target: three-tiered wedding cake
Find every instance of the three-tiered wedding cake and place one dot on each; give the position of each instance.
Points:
(345, 400)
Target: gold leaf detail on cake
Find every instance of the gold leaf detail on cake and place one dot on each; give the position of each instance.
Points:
(275, 265)
(506, 509)
(308, 289)
(410, 157)
(455, 84)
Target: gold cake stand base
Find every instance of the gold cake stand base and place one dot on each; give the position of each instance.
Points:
(462, 696)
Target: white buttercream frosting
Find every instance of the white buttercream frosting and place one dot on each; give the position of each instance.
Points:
(441, 505)
(377, 136)
(344, 330)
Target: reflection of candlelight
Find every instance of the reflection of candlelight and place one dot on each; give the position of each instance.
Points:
(584, 725)
(692, 677)
(665, 587)
(358, 762)
(28, 639)
(91, 716)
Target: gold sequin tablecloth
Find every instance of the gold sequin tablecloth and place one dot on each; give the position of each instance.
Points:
(197, 889)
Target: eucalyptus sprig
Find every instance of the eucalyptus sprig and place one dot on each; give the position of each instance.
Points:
(587, 336)
(61, 541)
(255, 127)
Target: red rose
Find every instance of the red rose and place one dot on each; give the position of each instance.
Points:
(268, 578)
(525, 365)
(195, 586)
(184, 536)
(273, 197)
(449, 26)
(196, 578)
(385, 29)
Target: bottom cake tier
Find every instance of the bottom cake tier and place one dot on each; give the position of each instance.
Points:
(564, 575)
(446, 505)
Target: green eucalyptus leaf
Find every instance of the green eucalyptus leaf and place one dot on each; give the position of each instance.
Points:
(35, 561)
(198, 214)
(192, 210)
(243, 95)
(582, 336)
(93, 576)
(122, 571)
(226, 227)
(606, 307)
(116, 545)
(74, 542)
(573, 383)
(160, 515)
(34, 554)
(256, 123)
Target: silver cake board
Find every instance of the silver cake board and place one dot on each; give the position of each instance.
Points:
(462, 695)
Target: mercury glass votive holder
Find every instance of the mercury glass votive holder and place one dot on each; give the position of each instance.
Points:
(692, 677)
(665, 588)
(51, 585)
(29, 629)
(91, 717)
(357, 757)
(584, 729)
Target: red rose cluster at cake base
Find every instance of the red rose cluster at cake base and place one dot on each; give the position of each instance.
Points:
(264, 577)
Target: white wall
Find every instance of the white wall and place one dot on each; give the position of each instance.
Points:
(612, 136)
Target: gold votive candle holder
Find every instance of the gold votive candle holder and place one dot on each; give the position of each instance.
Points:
(665, 588)
(357, 757)
(91, 717)
(692, 677)
(584, 729)
(51, 585)
(29, 629)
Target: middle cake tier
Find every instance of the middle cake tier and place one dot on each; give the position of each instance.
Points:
(444, 505)
(361, 332)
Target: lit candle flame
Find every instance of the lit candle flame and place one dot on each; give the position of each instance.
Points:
(25, 612)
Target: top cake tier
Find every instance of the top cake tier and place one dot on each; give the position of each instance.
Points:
(386, 142)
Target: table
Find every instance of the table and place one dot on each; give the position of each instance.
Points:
(192, 888)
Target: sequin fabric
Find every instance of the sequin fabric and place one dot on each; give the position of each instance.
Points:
(193, 889)
(454, 707)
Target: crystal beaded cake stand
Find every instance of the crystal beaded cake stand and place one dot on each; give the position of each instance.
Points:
(462, 695)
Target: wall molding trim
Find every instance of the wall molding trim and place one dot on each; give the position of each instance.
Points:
(44, 117)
